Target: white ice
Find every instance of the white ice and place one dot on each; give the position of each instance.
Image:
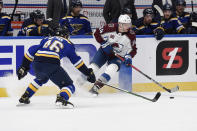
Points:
(108, 112)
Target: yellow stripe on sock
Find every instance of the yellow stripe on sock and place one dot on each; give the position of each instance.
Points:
(66, 92)
(33, 87)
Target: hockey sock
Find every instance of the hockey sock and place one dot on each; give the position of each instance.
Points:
(33, 87)
(67, 91)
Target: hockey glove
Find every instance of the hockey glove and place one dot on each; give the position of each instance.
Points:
(127, 60)
(24, 68)
(159, 33)
(21, 72)
(91, 77)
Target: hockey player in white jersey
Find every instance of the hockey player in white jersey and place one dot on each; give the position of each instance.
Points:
(115, 39)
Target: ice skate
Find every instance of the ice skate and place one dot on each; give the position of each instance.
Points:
(94, 90)
(24, 100)
(62, 103)
(97, 85)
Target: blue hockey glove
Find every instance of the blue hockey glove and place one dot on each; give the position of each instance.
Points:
(127, 60)
(159, 33)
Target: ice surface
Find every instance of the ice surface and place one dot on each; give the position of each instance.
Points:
(108, 112)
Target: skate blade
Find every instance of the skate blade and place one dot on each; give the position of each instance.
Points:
(60, 106)
(93, 95)
(21, 104)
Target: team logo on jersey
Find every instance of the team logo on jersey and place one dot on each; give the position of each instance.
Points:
(101, 30)
(172, 57)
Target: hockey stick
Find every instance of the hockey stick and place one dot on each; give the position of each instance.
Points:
(15, 5)
(153, 100)
(168, 90)
(159, 10)
(12, 15)
(194, 24)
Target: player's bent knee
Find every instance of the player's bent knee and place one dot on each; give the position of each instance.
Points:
(111, 69)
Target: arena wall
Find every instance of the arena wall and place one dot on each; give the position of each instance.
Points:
(172, 61)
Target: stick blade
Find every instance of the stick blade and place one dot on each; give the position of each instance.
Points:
(157, 96)
(174, 89)
(159, 10)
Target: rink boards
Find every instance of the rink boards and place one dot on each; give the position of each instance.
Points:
(171, 61)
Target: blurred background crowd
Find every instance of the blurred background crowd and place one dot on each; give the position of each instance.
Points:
(158, 17)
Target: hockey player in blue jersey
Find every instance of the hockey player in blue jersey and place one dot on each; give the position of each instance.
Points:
(180, 13)
(147, 25)
(170, 23)
(45, 59)
(36, 25)
(185, 18)
(5, 23)
(77, 23)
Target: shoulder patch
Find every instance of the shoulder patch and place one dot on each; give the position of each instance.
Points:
(101, 30)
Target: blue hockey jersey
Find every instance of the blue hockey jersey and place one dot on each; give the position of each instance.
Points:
(77, 25)
(30, 28)
(184, 19)
(172, 26)
(52, 49)
(141, 29)
(5, 24)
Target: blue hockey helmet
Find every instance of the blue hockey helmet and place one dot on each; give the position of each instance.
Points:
(76, 3)
(167, 7)
(60, 31)
(180, 2)
(38, 14)
(148, 11)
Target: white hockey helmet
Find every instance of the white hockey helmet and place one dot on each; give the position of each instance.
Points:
(124, 19)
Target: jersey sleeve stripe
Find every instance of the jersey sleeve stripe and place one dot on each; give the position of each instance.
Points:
(32, 25)
(6, 17)
(154, 23)
(179, 29)
(78, 62)
(29, 58)
(78, 66)
(84, 18)
(45, 55)
(29, 55)
(141, 27)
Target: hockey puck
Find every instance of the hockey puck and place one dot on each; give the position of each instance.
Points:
(171, 97)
